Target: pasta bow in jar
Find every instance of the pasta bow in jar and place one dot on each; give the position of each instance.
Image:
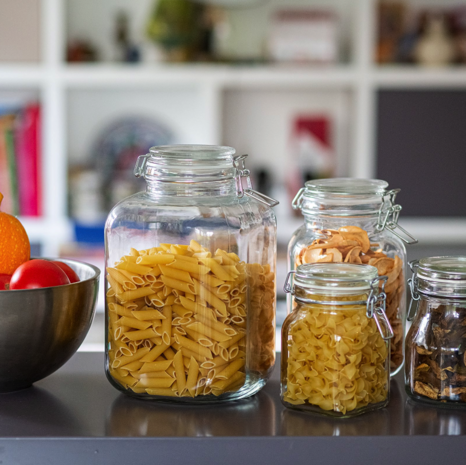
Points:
(355, 221)
(336, 342)
(190, 263)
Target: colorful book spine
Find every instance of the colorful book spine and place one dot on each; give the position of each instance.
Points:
(28, 158)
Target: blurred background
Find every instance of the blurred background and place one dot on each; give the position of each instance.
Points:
(308, 88)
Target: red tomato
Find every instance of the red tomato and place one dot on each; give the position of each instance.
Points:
(72, 276)
(4, 281)
(38, 273)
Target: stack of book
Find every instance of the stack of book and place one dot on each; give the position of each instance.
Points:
(20, 160)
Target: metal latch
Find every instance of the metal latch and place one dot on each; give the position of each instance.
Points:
(415, 297)
(243, 172)
(140, 166)
(388, 218)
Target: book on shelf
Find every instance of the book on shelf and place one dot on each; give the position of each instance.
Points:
(20, 160)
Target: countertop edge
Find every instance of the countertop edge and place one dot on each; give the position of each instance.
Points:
(232, 450)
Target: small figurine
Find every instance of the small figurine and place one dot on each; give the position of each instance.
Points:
(435, 47)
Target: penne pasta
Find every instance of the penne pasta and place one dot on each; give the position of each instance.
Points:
(156, 259)
(178, 319)
(179, 370)
(210, 298)
(189, 266)
(134, 294)
(148, 314)
(167, 325)
(133, 268)
(155, 366)
(132, 323)
(139, 335)
(178, 285)
(209, 332)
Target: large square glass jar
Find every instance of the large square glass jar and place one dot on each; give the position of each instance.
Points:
(190, 303)
(355, 221)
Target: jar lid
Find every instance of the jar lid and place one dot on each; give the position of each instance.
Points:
(341, 197)
(336, 278)
(190, 163)
(441, 276)
(347, 186)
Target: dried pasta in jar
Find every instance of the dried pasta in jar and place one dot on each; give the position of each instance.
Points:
(351, 244)
(349, 220)
(184, 322)
(334, 357)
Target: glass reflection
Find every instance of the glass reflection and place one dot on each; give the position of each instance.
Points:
(36, 412)
(387, 421)
(422, 419)
(251, 417)
(295, 423)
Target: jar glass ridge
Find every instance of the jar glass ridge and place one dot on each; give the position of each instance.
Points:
(346, 220)
(201, 261)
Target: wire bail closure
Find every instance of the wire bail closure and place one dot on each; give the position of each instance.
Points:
(375, 303)
(298, 199)
(140, 166)
(388, 218)
(415, 296)
(243, 172)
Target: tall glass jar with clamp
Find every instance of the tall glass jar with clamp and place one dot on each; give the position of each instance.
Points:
(191, 266)
(355, 221)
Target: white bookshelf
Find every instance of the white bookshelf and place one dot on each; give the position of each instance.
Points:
(350, 89)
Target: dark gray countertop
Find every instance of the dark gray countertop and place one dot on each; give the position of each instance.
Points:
(76, 417)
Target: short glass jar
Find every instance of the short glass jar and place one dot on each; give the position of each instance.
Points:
(355, 221)
(190, 302)
(435, 369)
(336, 342)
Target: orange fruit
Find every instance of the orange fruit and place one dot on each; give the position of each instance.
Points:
(15, 248)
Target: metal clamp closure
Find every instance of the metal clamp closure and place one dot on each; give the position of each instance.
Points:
(140, 165)
(388, 218)
(415, 296)
(298, 199)
(375, 303)
(243, 172)
(287, 287)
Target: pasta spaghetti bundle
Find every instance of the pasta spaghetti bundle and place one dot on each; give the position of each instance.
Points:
(335, 359)
(177, 320)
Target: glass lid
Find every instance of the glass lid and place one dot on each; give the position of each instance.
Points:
(341, 197)
(347, 186)
(442, 276)
(335, 278)
(188, 163)
(193, 153)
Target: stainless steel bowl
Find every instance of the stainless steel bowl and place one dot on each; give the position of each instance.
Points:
(40, 329)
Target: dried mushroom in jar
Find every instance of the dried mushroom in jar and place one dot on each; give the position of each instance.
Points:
(438, 355)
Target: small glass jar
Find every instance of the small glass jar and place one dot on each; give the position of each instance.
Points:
(190, 303)
(336, 342)
(435, 370)
(355, 221)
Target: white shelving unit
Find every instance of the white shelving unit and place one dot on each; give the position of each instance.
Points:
(59, 85)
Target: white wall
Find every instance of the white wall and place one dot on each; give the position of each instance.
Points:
(19, 30)
(260, 123)
(90, 111)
